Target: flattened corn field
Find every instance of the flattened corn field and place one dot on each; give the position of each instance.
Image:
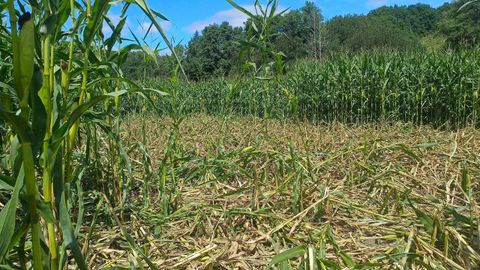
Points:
(244, 190)
(188, 178)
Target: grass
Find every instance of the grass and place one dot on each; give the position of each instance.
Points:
(243, 193)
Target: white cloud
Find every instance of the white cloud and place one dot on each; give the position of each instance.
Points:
(166, 25)
(115, 19)
(377, 3)
(143, 27)
(233, 16)
(135, 27)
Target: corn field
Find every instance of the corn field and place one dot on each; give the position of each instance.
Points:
(101, 172)
(438, 89)
(60, 83)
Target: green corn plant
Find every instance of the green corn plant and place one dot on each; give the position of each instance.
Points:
(313, 256)
(372, 87)
(52, 100)
(23, 67)
(257, 49)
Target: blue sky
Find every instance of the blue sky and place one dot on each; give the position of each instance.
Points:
(188, 16)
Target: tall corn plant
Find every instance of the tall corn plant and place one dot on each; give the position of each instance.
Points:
(439, 89)
(57, 69)
(257, 50)
(260, 57)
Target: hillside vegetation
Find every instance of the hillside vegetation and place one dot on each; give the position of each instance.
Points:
(216, 51)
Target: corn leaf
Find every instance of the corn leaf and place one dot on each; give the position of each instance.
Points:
(8, 216)
(287, 255)
(70, 240)
(99, 9)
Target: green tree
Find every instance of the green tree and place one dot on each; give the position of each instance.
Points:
(461, 26)
(422, 19)
(214, 52)
(297, 33)
(140, 66)
(358, 33)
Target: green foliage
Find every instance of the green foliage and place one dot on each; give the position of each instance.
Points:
(364, 33)
(406, 28)
(433, 42)
(213, 52)
(437, 88)
(258, 54)
(140, 66)
(302, 33)
(62, 99)
(421, 19)
(297, 33)
(461, 26)
(59, 82)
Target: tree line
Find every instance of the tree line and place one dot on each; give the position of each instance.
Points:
(304, 34)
